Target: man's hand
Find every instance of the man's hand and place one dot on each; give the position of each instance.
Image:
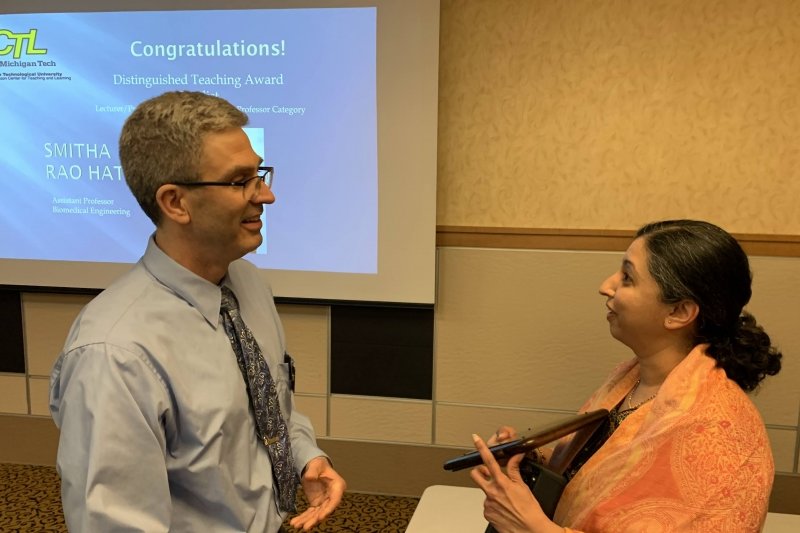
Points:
(324, 488)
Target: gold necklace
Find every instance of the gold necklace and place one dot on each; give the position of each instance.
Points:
(630, 397)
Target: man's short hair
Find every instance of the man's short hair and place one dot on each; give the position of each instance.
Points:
(162, 141)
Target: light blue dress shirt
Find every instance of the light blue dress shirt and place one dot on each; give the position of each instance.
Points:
(156, 429)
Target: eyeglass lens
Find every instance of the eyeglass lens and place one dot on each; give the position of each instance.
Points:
(254, 184)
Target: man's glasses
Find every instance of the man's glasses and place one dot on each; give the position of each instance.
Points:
(250, 187)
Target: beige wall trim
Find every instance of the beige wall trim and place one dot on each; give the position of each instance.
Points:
(390, 468)
(406, 470)
(784, 494)
(371, 467)
(592, 240)
(28, 440)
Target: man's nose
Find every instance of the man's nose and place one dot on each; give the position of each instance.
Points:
(263, 195)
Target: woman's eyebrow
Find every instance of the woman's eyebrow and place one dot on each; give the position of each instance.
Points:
(628, 265)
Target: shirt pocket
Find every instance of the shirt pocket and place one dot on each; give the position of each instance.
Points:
(284, 389)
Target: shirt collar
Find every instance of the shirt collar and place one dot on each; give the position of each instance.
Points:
(196, 291)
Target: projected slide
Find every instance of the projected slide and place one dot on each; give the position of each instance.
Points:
(305, 77)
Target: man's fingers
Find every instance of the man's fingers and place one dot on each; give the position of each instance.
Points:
(314, 514)
(327, 507)
(307, 519)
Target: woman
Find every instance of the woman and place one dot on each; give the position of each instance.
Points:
(685, 449)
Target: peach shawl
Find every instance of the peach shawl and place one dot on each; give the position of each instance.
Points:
(696, 458)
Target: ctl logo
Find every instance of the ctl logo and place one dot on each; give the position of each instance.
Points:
(18, 40)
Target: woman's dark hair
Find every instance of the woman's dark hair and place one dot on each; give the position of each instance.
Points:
(698, 261)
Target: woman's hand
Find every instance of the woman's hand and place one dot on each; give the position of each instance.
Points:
(510, 506)
(503, 434)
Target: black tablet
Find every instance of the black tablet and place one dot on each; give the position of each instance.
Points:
(540, 437)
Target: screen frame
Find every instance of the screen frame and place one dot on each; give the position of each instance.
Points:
(407, 119)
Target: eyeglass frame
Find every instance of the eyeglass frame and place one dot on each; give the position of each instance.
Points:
(267, 179)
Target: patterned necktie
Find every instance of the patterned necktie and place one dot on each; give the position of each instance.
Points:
(270, 425)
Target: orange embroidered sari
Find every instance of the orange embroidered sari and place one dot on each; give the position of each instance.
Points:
(696, 458)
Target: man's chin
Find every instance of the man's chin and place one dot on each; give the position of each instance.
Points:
(252, 244)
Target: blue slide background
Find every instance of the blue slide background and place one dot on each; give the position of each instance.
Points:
(325, 217)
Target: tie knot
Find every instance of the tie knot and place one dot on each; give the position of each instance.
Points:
(229, 301)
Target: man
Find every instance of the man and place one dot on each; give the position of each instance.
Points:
(153, 389)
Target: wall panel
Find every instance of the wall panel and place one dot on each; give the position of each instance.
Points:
(605, 115)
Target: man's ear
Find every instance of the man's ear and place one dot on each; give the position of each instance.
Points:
(170, 198)
(683, 314)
